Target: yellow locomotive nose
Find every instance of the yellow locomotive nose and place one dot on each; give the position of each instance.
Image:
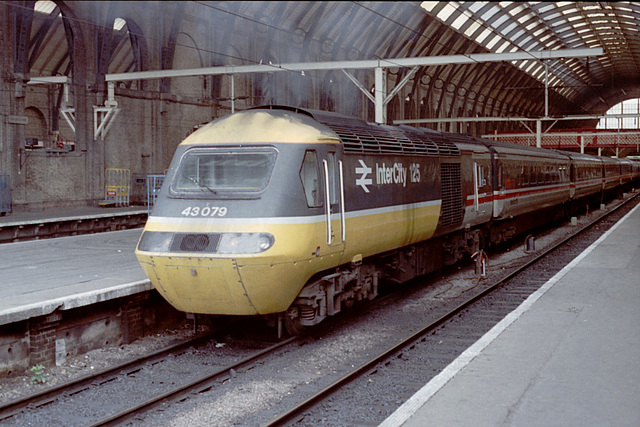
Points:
(226, 273)
(198, 285)
(226, 286)
(192, 272)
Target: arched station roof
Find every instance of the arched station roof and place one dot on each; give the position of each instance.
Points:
(136, 36)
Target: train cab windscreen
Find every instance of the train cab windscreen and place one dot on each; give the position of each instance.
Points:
(206, 172)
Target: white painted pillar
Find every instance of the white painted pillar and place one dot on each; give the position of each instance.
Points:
(380, 94)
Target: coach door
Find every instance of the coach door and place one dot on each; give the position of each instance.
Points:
(333, 174)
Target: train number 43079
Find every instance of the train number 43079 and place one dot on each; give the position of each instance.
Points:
(206, 211)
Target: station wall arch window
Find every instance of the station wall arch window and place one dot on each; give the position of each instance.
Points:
(629, 106)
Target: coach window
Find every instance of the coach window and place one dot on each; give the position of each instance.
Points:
(309, 178)
(482, 176)
(563, 174)
(519, 181)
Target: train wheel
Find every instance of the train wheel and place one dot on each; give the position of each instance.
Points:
(292, 321)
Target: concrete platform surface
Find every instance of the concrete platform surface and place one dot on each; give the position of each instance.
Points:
(37, 277)
(568, 356)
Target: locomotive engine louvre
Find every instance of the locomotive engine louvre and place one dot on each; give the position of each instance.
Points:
(277, 210)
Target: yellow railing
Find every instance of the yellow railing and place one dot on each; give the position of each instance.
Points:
(117, 187)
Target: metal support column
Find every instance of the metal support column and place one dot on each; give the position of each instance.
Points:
(546, 88)
(233, 94)
(380, 94)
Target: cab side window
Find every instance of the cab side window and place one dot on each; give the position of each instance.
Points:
(333, 178)
(309, 178)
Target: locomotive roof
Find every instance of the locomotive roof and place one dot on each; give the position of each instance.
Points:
(359, 136)
(283, 124)
(263, 126)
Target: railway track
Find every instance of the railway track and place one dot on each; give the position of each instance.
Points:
(438, 343)
(132, 369)
(304, 410)
(48, 396)
(199, 385)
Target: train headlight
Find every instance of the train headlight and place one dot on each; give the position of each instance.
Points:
(210, 243)
(244, 243)
(155, 242)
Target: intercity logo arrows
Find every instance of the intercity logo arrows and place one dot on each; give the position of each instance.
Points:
(363, 181)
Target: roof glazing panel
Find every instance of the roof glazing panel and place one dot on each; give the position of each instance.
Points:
(533, 26)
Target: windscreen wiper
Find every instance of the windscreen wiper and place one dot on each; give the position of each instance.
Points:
(201, 185)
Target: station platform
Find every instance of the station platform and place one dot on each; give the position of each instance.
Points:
(75, 213)
(42, 276)
(567, 356)
(64, 296)
(22, 226)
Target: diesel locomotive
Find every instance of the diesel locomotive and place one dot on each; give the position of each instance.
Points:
(296, 214)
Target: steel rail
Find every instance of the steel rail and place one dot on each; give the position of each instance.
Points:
(199, 385)
(48, 396)
(297, 413)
